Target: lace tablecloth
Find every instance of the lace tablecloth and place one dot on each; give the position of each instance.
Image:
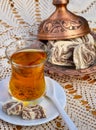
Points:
(16, 20)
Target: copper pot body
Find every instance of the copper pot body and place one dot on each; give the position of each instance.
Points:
(62, 24)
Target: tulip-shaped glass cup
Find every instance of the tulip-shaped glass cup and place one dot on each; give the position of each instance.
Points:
(27, 59)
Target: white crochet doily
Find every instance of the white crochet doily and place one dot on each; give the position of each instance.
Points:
(16, 20)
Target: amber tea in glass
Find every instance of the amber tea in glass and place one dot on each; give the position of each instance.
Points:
(27, 59)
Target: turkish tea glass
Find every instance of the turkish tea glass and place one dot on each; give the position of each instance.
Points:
(27, 59)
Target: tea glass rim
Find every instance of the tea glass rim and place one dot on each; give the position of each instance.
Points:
(24, 66)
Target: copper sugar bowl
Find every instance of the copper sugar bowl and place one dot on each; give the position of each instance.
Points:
(62, 24)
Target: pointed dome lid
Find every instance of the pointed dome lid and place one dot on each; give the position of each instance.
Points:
(62, 24)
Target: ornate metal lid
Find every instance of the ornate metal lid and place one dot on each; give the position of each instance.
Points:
(62, 24)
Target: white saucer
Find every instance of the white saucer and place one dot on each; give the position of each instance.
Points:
(49, 108)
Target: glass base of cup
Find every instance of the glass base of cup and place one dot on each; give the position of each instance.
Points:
(32, 102)
(26, 103)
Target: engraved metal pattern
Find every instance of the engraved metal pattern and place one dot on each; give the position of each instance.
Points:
(62, 24)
